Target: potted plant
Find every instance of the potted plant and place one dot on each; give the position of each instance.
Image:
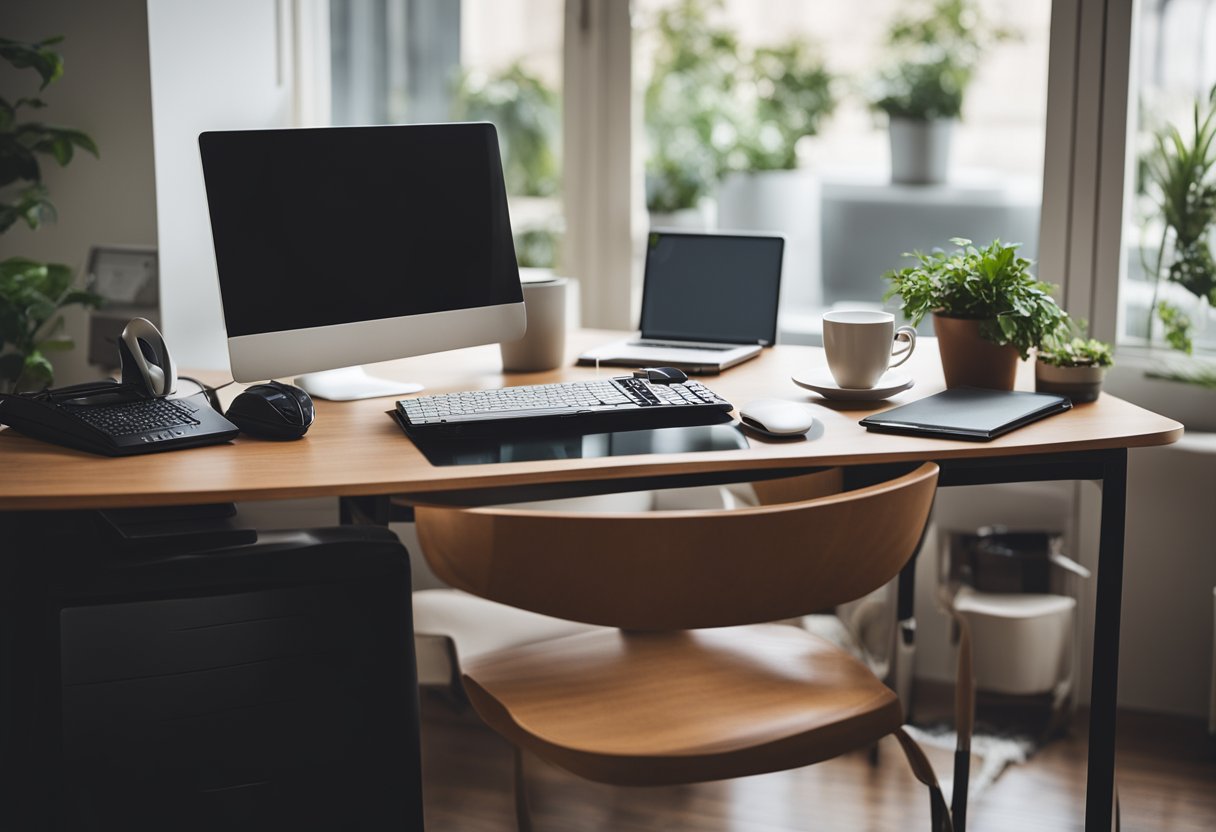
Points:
(786, 94)
(32, 294)
(691, 113)
(922, 93)
(789, 94)
(988, 309)
(1074, 367)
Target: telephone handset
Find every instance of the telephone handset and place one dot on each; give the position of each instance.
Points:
(130, 416)
(145, 359)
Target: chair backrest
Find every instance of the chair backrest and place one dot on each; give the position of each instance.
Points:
(667, 570)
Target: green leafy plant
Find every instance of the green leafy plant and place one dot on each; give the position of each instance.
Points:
(537, 247)
(691, 106)
(32, 294)
(1077, 352)
(31, 323)
(1183, 174)
(526, 112)
(990, 284)
(792, 95)
(924, 91)
(21, 143)
(937, 52)
(712, 106)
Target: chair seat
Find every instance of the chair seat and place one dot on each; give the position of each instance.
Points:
(683, 706)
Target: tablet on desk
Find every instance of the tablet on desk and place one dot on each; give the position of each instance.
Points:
(967, 413)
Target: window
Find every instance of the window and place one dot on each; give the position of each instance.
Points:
(1168, 284)
(762, 117)
(419, 61)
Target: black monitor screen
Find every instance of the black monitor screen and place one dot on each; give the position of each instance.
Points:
(338, 225)
(711, 287)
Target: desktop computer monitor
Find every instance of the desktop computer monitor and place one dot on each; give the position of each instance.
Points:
(343, 246)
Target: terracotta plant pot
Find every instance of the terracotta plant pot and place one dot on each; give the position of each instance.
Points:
(1081, 384)
(969, 360)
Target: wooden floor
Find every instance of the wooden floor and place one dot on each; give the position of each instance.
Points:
(1167, 781)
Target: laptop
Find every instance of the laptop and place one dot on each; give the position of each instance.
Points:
(709, 301)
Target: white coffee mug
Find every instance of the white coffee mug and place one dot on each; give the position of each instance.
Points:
(859, 344)
(543, 346)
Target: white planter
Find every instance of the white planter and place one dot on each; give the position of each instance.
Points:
(1081, 384)
(920, 150)
(784, 202)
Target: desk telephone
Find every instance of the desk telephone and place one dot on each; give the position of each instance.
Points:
(118, 418)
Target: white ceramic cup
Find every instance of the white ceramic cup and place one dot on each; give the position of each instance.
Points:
(543, 346)
(860, 344)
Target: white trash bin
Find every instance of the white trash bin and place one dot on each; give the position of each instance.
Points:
(1021, 642)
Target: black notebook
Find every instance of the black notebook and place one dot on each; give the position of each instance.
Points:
(967, 413)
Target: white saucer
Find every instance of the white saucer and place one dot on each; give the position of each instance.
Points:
(821, 382)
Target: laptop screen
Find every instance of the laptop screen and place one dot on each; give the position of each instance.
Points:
(711, 287)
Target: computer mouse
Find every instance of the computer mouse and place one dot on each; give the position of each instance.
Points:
(778, 417)
(661, 375)
(272, 411)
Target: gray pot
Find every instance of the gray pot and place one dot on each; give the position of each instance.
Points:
(1081, 384)
(920, 150)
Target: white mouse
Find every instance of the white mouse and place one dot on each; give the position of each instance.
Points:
(778, 417)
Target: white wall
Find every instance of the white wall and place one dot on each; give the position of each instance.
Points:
(105, 92)
(1170, 568)
(218, 65)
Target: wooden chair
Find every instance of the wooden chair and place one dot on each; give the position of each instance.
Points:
(693, 684)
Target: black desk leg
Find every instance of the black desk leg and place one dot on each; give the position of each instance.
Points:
(1100, 785)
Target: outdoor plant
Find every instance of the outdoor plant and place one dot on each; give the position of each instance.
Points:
(1183, 173)
(791, 96)
(525, 111)
(536, 247)
(1077, 352)
(991, 284)
(32, 294)
(937, 53)
(691, 105)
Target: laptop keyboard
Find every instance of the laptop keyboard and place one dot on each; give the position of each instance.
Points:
(684, 346)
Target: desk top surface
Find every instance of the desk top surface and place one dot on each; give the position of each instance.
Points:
(355, 448)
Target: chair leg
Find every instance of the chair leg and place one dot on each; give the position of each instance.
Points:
(938, 812)
(523, 817)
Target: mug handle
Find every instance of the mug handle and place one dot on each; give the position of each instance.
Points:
(909, 335)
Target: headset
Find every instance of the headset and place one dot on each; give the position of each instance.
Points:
(145, 359)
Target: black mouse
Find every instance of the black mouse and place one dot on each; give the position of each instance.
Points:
(272, 411)
(661, 375)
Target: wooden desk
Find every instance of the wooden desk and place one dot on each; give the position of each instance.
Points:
(355, 449)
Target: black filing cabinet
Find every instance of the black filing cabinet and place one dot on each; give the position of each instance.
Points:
(264, 683)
